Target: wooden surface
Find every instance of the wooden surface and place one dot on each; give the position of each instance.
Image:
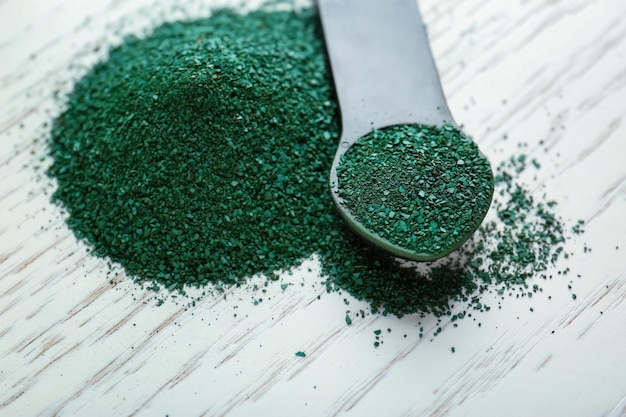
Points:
(76, 339)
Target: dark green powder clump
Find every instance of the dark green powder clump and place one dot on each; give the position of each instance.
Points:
(200, 155)
(423, 188)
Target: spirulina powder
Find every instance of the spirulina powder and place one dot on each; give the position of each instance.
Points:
(200, 155)
(422, 188)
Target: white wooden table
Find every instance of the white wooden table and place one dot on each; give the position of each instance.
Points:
(76, 339)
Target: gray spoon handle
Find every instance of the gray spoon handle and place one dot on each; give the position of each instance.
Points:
(382, 67)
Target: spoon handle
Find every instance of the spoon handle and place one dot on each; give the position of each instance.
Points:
(382, 67)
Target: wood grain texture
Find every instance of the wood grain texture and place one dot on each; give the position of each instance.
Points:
(79, 338)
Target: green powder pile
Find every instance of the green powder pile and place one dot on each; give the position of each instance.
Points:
(425, 189)
(200, 155)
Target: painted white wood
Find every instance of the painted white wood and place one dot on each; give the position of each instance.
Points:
(77, 339)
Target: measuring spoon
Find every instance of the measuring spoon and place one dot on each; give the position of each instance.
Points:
(384, 75)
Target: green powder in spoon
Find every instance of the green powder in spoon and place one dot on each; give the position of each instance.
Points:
(422, 188)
